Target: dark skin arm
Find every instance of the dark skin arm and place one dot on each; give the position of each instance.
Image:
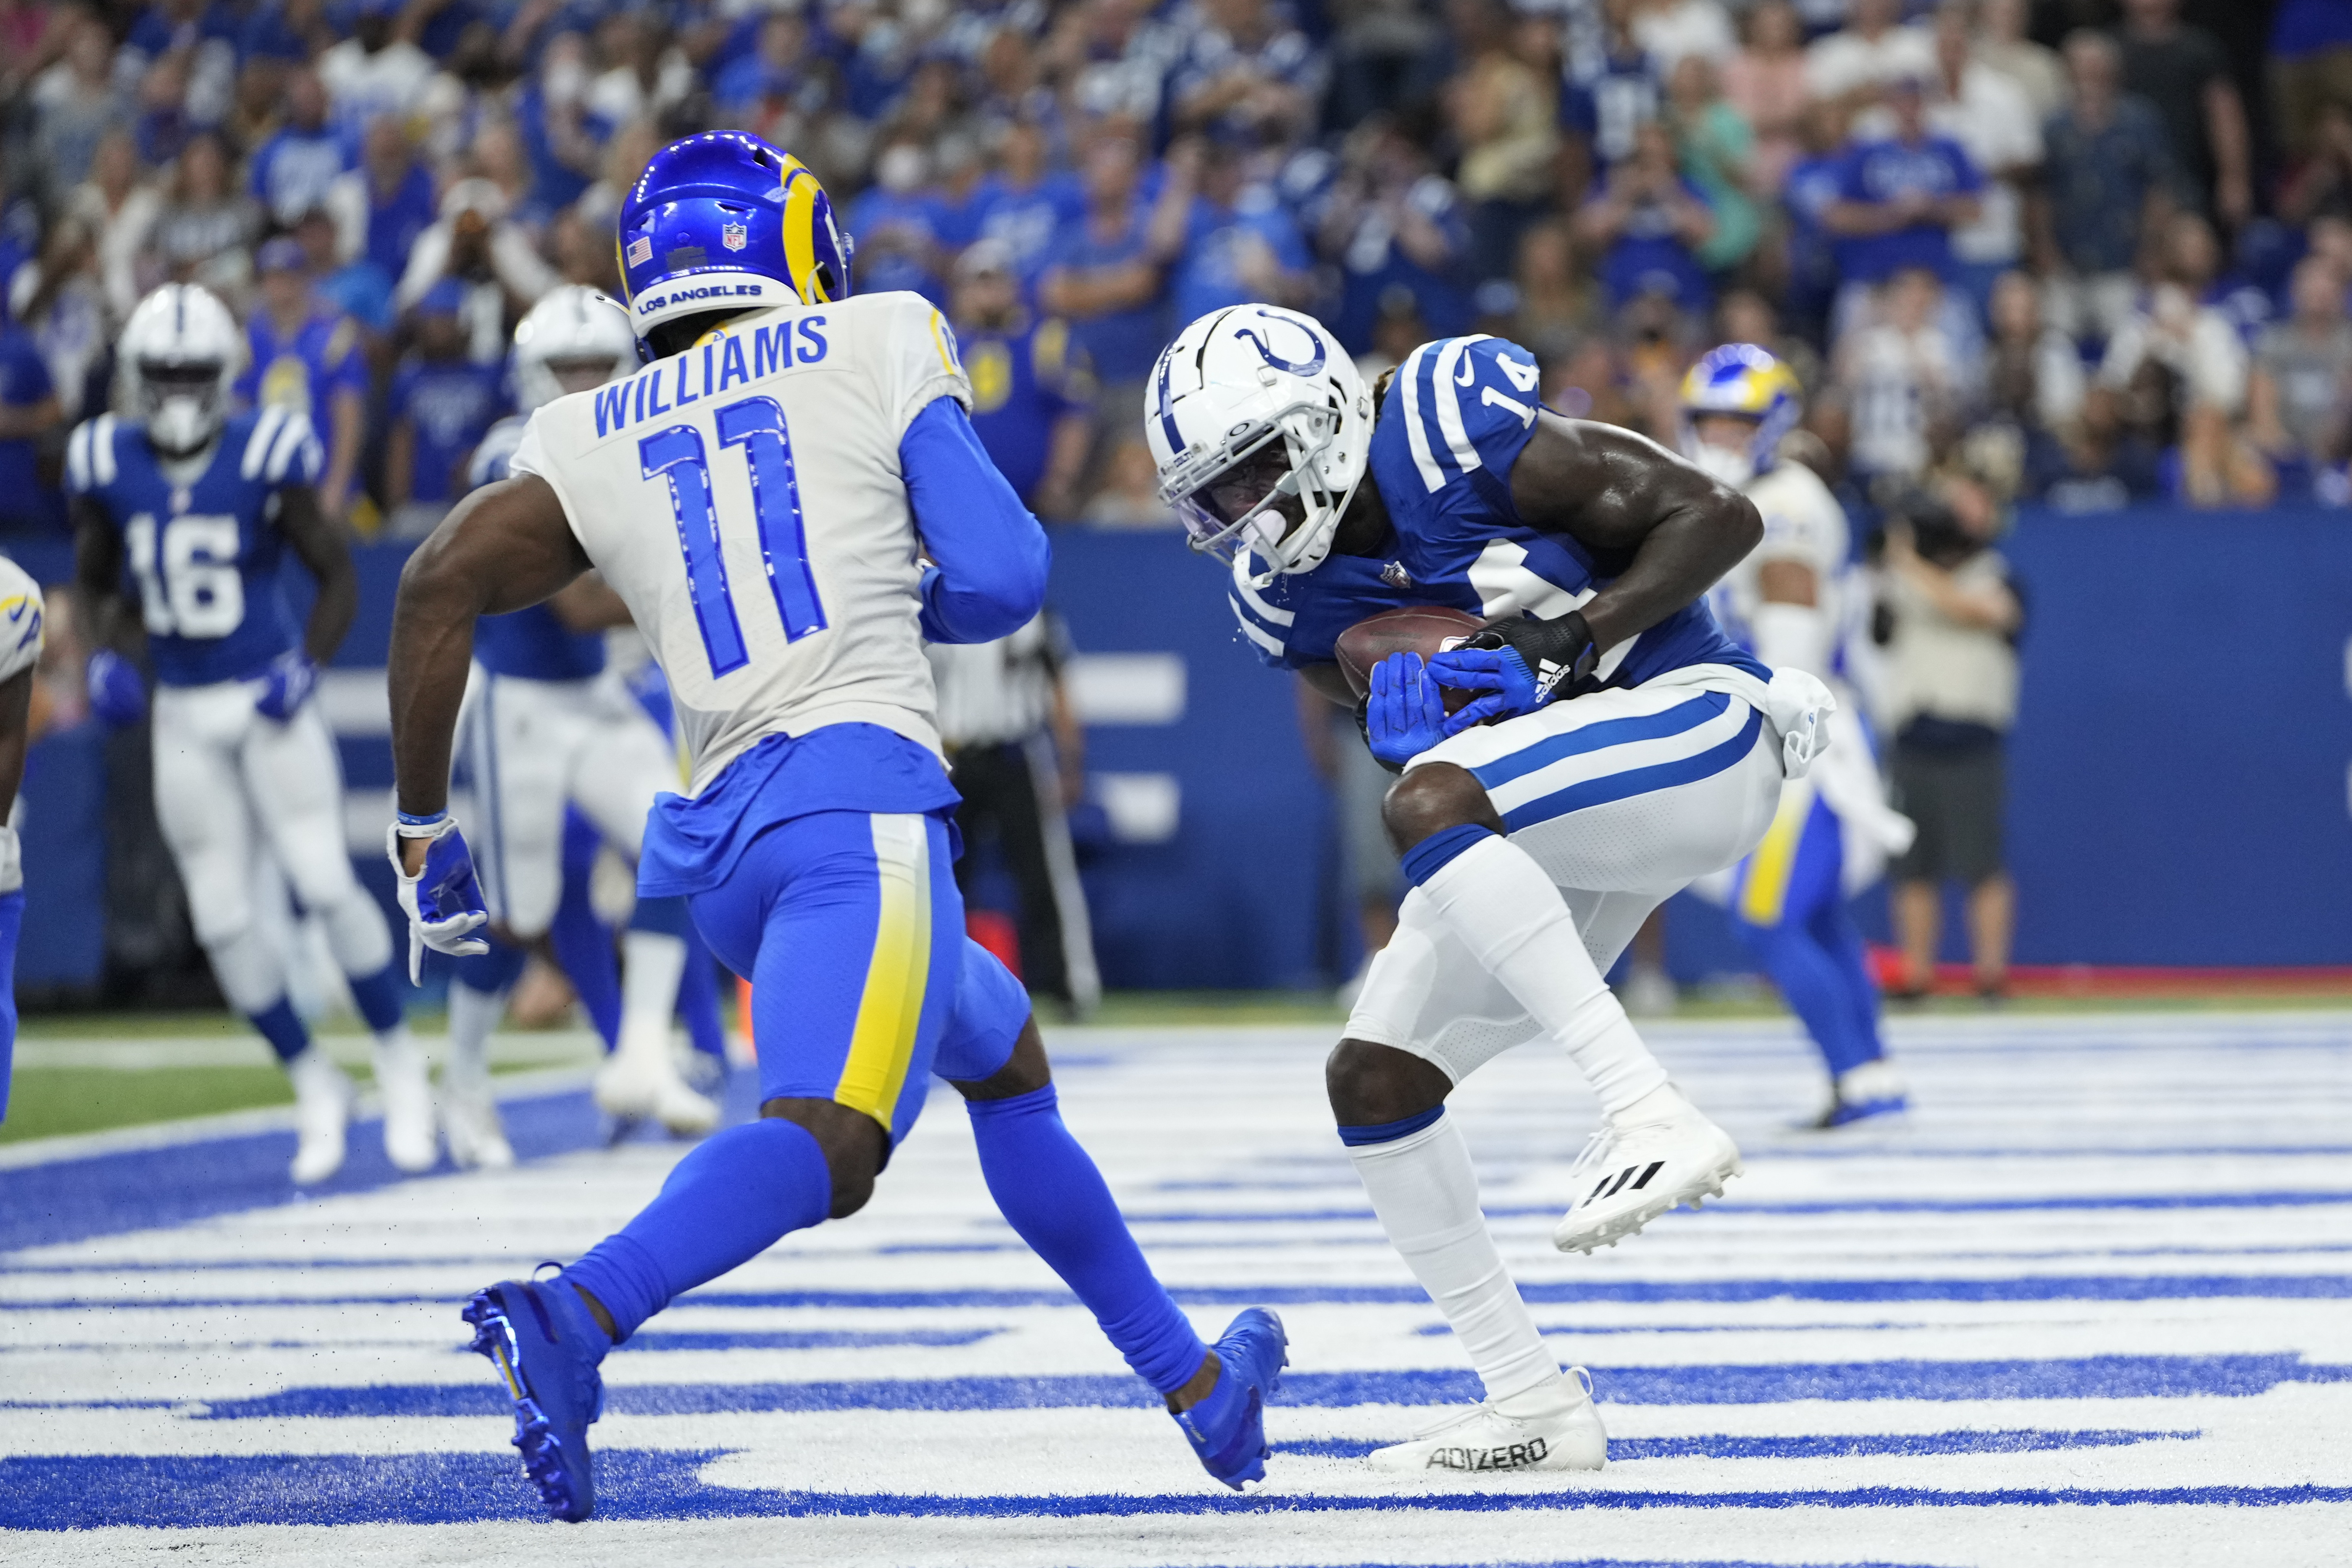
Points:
(16, 734)
(319, 544)
(588, 604)
(505, 546)
(98, 577)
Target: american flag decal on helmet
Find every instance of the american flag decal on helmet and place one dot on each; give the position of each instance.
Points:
(641, 250)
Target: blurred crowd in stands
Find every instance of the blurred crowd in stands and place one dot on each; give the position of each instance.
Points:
(2091, 254)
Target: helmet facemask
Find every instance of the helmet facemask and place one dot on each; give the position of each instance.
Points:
(182, 402)
(1730, 466)
(1263, 490)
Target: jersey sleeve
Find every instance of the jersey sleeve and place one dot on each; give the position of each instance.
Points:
(89, 456)
(283, 449)
(1262, 614)
(20, 620)
(1468, 404)
(919, 363)
(1800, 527)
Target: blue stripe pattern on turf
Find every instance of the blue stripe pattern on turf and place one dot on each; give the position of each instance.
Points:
(1839, 1445)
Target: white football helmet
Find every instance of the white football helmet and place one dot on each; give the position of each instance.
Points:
(1261, 429)
(178, 356)
(574, 339)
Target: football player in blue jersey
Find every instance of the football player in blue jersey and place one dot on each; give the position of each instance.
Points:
(1789, 602)
(546, 724)
(184, 510)
(21, 624)
(789, 498)
(1618, 747)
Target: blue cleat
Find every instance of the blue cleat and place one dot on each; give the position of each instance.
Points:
(543, 1354)
(1227, 1429)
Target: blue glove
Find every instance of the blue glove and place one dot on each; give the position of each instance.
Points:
(1510, 687)
(286, 686)
(1406, 714)
(117, 695)
(442, 900)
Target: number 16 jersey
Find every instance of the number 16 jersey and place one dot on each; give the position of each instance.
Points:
(745, 499)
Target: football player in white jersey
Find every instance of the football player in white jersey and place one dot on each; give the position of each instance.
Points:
(548, 723)
(1617, 745)
(789, 498)
(1834, 830)
(183, 510)
(20, 650)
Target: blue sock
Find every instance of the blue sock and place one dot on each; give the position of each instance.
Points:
(378, 998)
(1051, 1193)
(492, 972)
(1834, 928)
(737, 1195)
(583, 947)
(697, 998)
(1817, 987)
(12, 920)
(283, 1028)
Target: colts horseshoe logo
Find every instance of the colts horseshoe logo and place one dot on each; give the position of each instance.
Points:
(1294, 367)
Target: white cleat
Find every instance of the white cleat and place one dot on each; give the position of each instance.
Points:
(410, 1141)
(641, 1084)
(1482, 1441)
(477, 1139)
(1629, 1175)
(322, 1111)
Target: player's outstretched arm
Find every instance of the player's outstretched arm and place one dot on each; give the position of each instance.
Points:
(991, 552)
(1613, 491)
(505, 546)
(98, 573)
(320, 544)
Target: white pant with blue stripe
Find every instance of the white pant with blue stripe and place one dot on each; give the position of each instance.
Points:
(1623, 797)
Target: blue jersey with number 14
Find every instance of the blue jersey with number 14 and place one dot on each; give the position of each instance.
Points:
(201, 551)
(1456, 416)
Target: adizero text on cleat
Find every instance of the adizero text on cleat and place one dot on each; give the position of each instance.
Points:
(1629, 1176)
(1482, 1443)
(1228, 1428)
(543, 1357)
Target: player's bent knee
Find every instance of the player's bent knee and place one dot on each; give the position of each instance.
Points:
(852, 1142)
(1433, 798)
(1025, 1071)
(1370, 1084)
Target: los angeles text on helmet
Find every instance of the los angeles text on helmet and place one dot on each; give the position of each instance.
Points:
(653, 302)
(712, 367)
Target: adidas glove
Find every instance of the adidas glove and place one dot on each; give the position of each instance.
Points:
(286, 686)
(117, 695)
(1520, 665)
(1405, 713)
(444, 899)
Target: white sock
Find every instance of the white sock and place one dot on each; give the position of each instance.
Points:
(1497, 900)
(472, 1016)
(1426, 1195)
(652, 965)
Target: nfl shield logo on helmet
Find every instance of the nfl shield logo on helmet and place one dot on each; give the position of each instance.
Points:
(734, 236)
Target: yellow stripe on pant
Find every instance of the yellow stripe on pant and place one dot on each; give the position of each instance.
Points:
(1764, 893)
(890, 1012)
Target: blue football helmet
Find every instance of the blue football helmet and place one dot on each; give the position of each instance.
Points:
(724, 223)
(1742, 381)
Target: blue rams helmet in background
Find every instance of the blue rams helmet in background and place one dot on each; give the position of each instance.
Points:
(1742, 381)
(724, 223)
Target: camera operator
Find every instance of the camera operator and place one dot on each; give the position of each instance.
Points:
(1947, 617)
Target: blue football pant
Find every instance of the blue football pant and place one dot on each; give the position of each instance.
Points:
(1789, 907)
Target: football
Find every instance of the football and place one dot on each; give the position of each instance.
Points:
(1421, 629)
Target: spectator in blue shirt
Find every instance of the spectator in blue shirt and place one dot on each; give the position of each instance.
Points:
(307, 357)
(2106, 181)
(896, 223)
(357, 288)
(1026, 202)
(1398, 229)
(564, 137)
(292, 171)
(1901, 198)
(1240, 246)
(1806, 194)
(1249, 75)
(1609, 93)
(770, 72)
(1032, 392)
(442, 402)
(1104, 277)
(28, 411)
(384, 203)
(1649, 221)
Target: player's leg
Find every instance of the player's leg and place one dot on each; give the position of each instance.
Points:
(851, 929)
(11, 921)
(580, 938)
(200, 807)
(1054, 1198)
(479, 987)
(296, 784)
(1788, 908)
(614, 780)
(1635, 791)
(1429, 1015)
